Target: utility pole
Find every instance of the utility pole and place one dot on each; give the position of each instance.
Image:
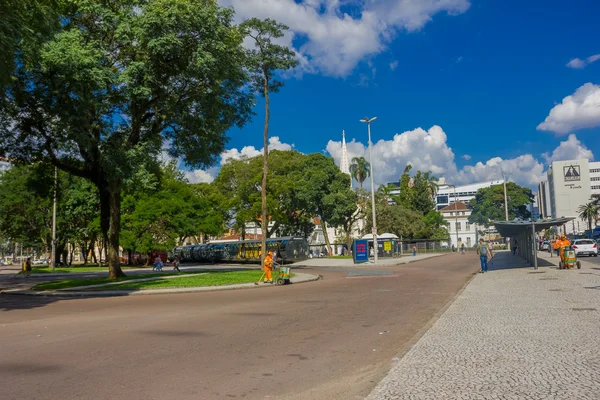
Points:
(374, 228)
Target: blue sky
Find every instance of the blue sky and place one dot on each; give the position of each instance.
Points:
(486, 74)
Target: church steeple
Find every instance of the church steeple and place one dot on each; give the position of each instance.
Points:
(344, 164)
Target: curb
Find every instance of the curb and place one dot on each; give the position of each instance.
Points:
(304, 278)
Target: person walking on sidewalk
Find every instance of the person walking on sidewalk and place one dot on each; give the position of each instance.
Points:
(176, 264)
(515, 246)
(484, 252)
(158, 264)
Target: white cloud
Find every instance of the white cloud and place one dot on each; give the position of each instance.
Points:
(201, 176)
(577, 111)
(429, 151)
(578, 63)
(394, 65)
(330, 40)
(571, 149)
(466, 157)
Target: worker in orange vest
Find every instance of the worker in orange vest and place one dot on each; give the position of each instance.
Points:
(560, 244)
(268, 267)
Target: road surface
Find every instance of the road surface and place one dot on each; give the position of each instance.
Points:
(331, 339)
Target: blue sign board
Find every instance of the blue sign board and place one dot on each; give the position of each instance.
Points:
(361, 251)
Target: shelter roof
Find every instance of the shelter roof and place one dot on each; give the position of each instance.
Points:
(514, 228)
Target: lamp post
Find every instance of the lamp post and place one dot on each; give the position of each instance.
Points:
(455, 215)
(368, 121)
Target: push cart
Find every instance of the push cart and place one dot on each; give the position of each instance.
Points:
(282, 274)
(568, 258)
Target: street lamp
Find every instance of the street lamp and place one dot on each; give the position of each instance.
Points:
(455, 215)
(368, 121)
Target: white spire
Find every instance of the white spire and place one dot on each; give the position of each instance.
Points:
(344, 165)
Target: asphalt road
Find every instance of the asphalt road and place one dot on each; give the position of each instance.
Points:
(331, 339)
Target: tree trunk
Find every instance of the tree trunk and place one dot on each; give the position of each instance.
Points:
(114, 265)
(326, 236)
(84, 254)
(265, 221)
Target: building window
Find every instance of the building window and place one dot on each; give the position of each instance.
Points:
(595, 187)
(467, 227)
(458, 226)
(595, 170)
(595, 178)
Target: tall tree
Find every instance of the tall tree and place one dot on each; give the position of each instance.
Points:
(488, 204)
(120, 78)
(264, 61)
(360, 169)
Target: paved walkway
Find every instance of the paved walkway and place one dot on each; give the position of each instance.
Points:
(347, 262)
(513, 333)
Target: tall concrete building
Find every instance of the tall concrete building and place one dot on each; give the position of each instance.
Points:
(344, 164)
(571, 184)
(543, 199)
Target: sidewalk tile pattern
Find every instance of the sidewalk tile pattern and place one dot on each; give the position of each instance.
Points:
(511, 334)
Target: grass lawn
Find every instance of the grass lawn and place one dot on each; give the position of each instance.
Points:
(339, 257)
(69, 283)
(206, 279)
(47, 270)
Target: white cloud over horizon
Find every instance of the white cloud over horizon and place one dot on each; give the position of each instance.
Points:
(207, 176)
(427, 150)
(577, 111)
(333, 36)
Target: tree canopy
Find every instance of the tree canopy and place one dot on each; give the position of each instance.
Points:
(119, 80)
(488, 204)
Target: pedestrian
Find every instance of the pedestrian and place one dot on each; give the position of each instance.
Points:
(158, 264)
(453, 248)
(27, 267)
(268, 268)
(462, 248)
(176, 264)
(414, 249)
(515, 245)
(484, 252)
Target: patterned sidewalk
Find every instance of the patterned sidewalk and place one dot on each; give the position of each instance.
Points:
(514, 333)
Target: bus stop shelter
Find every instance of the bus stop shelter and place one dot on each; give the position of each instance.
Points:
(524, 232)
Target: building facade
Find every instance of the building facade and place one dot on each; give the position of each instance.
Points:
(571, 184)
(543, 200)
(460, 230)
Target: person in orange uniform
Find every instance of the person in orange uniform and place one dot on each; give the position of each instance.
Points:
(560, 244)
(269, 267)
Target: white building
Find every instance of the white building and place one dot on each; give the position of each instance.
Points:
(461, 231)
(448, 194)
(571, 184)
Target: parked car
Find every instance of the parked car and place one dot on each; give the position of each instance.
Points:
(545, 245)
(585, 246)
(39, 262)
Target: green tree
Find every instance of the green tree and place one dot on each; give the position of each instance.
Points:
(174, 211)
(322, 186)
(436, 227)
(589, 212)
(488, 204)
(360, 169)
(422, 191)
(405, 196)
(120, 78)
(396, 219)
(264, 61)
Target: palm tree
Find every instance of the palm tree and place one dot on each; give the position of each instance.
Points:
(432, 183)
(360, 169)
(590, 212)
